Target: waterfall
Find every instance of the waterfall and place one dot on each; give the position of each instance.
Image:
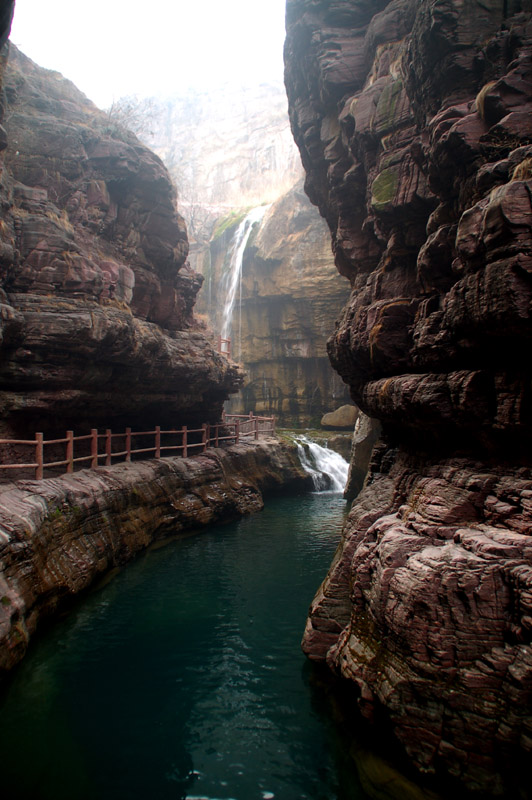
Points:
(233, 278)
(326, 467)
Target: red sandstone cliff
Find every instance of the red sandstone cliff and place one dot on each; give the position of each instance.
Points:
(96, 295)
(414, 125)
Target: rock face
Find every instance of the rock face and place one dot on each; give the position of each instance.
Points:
(343, 417)
(228, 153)
(287, 307)
(6, 16)
(224, 150)
(97, 297)
(59, 535)
(413, 122)
(366, 434)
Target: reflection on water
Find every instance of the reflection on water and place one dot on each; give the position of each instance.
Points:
(183, 677)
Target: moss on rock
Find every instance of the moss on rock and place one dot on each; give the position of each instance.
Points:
(384, 188)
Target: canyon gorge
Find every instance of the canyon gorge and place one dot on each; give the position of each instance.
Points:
(98, 329)
(414, 127)
(230, 153)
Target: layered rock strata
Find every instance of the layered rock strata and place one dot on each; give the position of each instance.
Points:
(96, 293)
(59, 535)
(413, 122)
(229, 149)
(286, 307)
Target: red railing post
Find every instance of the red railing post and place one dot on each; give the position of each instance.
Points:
(108, 435)
(128, 444)
(216, 435)
(157, 441)
(70, 451)
(39, 456)
(208, 434)
(184, 441)
(204, 436)
(94, 448)
(256, 428)
(237, 431)
(219, 344)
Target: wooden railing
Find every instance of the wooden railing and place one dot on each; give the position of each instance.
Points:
(250, 425)
(224, 347)
(102, 448)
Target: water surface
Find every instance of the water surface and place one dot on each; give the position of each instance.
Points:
(183, 677)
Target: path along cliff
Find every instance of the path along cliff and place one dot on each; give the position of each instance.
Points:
(59, 535)
(413, 119)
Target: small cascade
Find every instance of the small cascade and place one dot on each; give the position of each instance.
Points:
(233, 280)
(326, 467)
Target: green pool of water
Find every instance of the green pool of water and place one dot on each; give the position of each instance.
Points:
(183, 677)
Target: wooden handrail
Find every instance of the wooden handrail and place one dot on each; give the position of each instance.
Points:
(39, 456)
(233, 428)
(224, 347)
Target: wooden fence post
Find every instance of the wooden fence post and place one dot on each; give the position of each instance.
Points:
(70, 451)
(128, 444)
(208, 434)
(39, 456)
(157, 441)
(184, 441)
(216, 435)
(256, 428)
(237, 431)
(94, 448)
(204, 436)
(108, 435)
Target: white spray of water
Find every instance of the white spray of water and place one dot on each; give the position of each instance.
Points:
(233, 279)
(326, 467)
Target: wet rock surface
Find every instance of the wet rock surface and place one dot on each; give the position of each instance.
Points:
(59, 535)
(413, 122)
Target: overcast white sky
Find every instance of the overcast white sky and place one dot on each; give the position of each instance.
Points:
(109, 48)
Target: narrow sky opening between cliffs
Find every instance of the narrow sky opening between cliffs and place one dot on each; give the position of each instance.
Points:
(113, 48)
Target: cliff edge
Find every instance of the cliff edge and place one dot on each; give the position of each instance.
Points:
(414, 126)
(97, 298)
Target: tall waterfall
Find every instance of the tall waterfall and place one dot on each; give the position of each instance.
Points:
(233, 279)
(326, 467)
